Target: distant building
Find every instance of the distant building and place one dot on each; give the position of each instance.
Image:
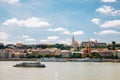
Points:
(49, 51)
(6, 53)
(74, 44)
(17, 53)
(66, 53)
(58, 52)
(105, 52)
(93, 44)
(118, 53)
(32, 46)
(87, 49)
(84, 44)
(101, 44)
(10, 46)
(19, 44)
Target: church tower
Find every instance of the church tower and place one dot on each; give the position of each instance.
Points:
(89, 47)
(74, 44)
(87, 50)
(73, 40)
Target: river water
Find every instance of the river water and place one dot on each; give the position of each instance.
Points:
(61, 71)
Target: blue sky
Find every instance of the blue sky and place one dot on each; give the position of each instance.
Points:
(55, 21)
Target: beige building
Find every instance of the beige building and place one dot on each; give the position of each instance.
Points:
(19, 44)
(104, 52)
(66, 53)
(50, 51)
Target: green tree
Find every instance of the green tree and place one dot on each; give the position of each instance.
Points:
(2, 46)
(57, 56)
(95, 55)
(113, 44)
(30, 56)
(77, 55)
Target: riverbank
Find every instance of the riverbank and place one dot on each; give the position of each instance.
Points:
(19, 59)
(67, 60)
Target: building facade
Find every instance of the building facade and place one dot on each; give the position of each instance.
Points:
(93, 44)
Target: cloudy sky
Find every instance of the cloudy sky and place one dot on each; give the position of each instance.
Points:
(55, 21)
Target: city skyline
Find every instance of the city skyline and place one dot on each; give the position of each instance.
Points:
(49, 21)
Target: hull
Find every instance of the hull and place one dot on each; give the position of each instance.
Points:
(24, 64)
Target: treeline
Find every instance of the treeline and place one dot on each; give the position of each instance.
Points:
(94, 55)
(41, 56)
(59, 46)
(113, 46)
(42, 46)
(75, 55)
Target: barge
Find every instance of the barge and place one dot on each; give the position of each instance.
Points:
(30, 64)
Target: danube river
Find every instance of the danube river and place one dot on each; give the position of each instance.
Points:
(61, 71)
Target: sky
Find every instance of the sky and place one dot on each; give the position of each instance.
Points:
(56, 21)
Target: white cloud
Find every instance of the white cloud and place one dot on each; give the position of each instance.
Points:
(108, 24)
(67, 33)
(78, 33)
(108, 10)
(96, 21)
(65, 41)
(95, 33)
(4, 35)
(93, 39)
(106, 32)
(11, 1)
(108, 1)
(11, 22)
(30, 39)
(75, 33)
(52, 38)
(57, 29)
(30, 22)
(9, 42)
(26, 36)
(19, 42)
(44, 41)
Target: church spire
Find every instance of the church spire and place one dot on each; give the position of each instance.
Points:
(74, 43)
(73, 39)
(89, 47)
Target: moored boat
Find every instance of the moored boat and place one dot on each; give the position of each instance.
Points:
(30, 64)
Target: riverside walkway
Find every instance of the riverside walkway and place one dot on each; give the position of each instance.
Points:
(52, 60)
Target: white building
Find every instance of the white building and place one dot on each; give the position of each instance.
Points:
(118, 53)
(66, 53)
(5, 53)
